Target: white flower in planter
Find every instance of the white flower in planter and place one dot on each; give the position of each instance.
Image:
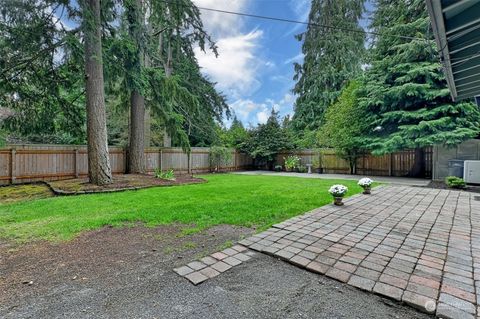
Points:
(365, 182)
(338, 190)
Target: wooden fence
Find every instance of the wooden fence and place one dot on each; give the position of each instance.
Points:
(395, 164)
(30, 163)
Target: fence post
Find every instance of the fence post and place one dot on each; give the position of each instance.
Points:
(235, 159)
(75, 163)
(13, 165)
(161, 160)
(189, 154)
(390, 165)
(125, 160)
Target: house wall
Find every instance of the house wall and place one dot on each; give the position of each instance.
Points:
(468, 150)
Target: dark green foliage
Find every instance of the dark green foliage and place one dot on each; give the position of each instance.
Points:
(404, 91)
(41, 73)
(196, 105)
(219, 156)
(278, 168)
(332, 58)
(455, 182)
(344, 126)
(235, 136)
(267, 140)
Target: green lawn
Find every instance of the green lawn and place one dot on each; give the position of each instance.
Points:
(226, 199)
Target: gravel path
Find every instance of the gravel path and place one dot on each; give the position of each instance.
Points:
(127, 272)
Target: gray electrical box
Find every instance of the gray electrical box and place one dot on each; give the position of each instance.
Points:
(455, 167)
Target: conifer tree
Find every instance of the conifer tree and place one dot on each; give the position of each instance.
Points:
(99, 170)
(405, 92)
(267, 140)
(333, 55)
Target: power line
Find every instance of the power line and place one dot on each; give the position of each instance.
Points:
(292, 21)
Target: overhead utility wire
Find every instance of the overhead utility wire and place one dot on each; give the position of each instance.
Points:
(291, 21)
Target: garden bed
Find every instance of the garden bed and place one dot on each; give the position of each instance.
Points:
(442, 185)
(120, 183)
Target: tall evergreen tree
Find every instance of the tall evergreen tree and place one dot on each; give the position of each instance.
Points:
(99, 170)
(134, 10)
(266, 140)
(332, 56)
(236, 135)
(41, 73)
(190, 105)
(153, 58)
(405, 92)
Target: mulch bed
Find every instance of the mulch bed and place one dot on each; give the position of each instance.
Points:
(442, 185)
(120, 183)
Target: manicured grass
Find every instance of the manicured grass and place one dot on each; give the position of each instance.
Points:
(226, 199)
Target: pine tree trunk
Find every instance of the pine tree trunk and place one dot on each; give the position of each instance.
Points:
(136, 153)
(148, 128)
(99, 170)
(418, 168)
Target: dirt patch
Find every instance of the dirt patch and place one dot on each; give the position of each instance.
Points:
(16, 193)
(120, 183)
(127, 273)
(442, 185)
(37, 268)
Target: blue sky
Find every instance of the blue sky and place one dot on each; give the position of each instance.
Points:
(255, 64)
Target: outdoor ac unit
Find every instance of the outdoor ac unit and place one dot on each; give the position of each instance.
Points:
(471, 172)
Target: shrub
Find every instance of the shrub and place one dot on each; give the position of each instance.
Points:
(291, 162)
(302, 169)
(165, 175)
(454, 182)
(278, 168)
(219, 156)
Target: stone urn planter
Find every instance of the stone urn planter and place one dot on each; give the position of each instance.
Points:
(338, 192)
(366, 184)
(338, 201)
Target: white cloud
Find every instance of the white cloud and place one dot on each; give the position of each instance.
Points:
(301, 8)
(248, 110)
(237, 67)
(243, 108)
(298, 58)
(262, 116)
(221, 24)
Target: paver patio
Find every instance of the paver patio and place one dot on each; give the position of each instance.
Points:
(416, 245)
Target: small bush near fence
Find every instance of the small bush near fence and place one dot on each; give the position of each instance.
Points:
(455, 182)
(219, 156)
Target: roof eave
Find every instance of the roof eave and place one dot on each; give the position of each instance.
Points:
(438, 26)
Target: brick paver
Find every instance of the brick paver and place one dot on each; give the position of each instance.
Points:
(211, 266)
(417, 245)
